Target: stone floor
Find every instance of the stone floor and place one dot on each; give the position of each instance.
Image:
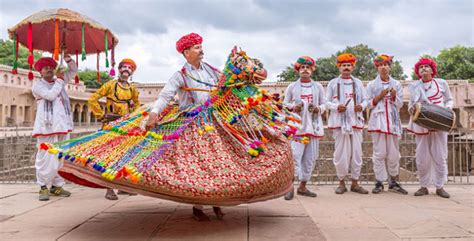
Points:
(86, 215)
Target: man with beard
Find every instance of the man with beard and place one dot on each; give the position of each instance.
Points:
(306, 98)
(385, 101)
(346, 98)
(431, 145)
(122, 99)
(194, 75)
(52, 124)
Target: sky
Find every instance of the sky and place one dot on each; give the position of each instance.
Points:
(276, 32)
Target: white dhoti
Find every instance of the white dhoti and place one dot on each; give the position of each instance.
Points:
(431, 158)
(47, 165)
(386, 154)
(305, 157)
(348, 153)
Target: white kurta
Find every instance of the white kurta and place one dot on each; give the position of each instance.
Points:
(305, 156)
(178, 81)
(52, 124)
(431, 146)
(347, 127)
(384, 125)
(53, 114)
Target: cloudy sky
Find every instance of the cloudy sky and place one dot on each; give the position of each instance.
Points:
(276, 32)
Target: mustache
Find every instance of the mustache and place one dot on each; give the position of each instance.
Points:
(129, 73)
(346, 70)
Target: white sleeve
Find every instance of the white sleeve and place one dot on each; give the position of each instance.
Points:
(399, 98)
(288, 100)
(331, 103)
(321, 98)
(370, 95)
(167, 93)
(41, 91)
(365, 98)
(448, 97)
(72, 71)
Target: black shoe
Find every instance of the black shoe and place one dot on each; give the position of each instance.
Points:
(378, 188)
(306, 192)
(199, 215)
(289, 196)
(218, 212)
(422, 191)
(442, 193)
(395, 187)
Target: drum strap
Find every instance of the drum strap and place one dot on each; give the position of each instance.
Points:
(354, 94)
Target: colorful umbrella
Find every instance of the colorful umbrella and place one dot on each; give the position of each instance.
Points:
(66, 31)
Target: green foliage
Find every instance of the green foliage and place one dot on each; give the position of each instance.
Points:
(326, 66)
(90, 78)
(456, 63)
(7, 56)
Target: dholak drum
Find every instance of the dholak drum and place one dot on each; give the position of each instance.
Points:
(434, 117)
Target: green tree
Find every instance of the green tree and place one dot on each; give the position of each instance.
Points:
(7, 54)
(90, 78)
(326, 66)
(456, 63)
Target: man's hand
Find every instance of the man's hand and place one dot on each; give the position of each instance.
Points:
(341, 108)
(151, 122)
(297, 108)
(358, 108)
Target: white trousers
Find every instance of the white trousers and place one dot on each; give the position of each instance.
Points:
(305, 157)
(431, 158)
(386, 154)
(348, 153)
(47, 165)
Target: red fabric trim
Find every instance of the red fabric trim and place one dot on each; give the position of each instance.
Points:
(355, 127)
(75, 179)
(311, 135)
(437, 89)
(437, 102)
(436, 98)
(383, 132)
(417, 133)
(386, 115)
(50, 134)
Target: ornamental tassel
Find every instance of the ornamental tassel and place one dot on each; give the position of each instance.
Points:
(106, 47)
(98, 71)
(112, 58)
(15, 53)
(31, 57)
(83, 43)
(56, 40)
(76, 78)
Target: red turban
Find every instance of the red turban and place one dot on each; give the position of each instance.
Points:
(45, 61)
(383, 58)
(188, 41)
(425, 61)
(305, 60)
(128, 61)
(345, 58)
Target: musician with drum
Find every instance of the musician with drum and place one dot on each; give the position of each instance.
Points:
(431, 118)
(385, 101)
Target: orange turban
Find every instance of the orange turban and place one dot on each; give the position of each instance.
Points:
(345, 58)
(128, 61)
(383, 58)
